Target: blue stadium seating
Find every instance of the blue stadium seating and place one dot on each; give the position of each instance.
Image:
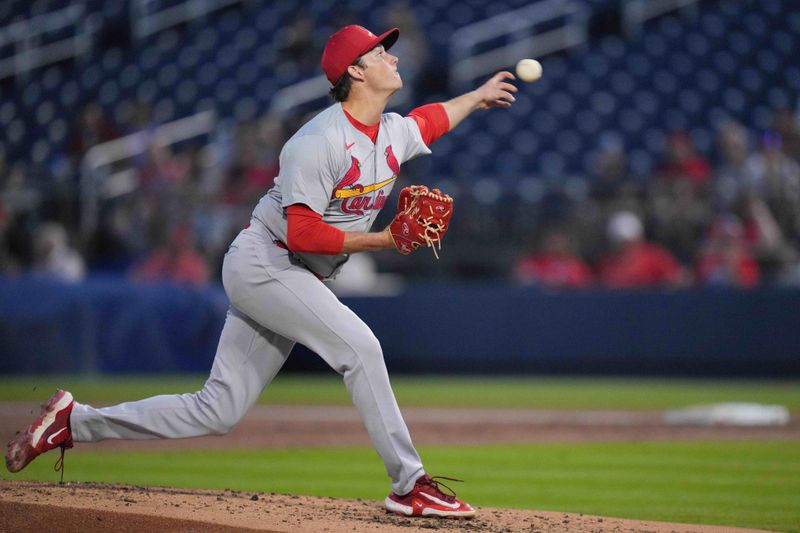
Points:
(735, 59)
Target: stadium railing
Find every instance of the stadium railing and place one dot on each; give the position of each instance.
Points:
(97, 181)
(534, 22)
(148, 17)
(31, 45)
(637, 12)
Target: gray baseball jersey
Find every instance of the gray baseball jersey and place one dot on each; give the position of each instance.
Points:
(276, 300)
(336, 170)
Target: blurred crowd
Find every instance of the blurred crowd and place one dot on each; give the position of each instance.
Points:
(174, 222)
(727, 218)
(730, 218)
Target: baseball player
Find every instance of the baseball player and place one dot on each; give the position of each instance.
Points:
(336, 174)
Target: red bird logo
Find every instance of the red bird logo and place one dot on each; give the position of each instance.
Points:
(391, 160)
(352, 176)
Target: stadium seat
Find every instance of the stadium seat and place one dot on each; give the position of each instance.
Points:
(668, 77)
(587, 122)
(168, 76)
(57, 131)
(640, 162)
(129, 77)
(7, 113)
(108, 93)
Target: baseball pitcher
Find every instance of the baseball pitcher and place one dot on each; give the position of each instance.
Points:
(336, 174)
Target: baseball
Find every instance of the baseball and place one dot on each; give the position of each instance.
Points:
(529, 70)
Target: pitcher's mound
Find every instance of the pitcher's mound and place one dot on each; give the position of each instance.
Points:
(85, 507)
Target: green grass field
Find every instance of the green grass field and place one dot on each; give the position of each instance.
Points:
(745, 484)
(521, 392)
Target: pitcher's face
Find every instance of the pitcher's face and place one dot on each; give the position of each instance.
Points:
(379, 69)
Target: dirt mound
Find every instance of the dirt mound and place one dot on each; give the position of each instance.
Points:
(34, 506)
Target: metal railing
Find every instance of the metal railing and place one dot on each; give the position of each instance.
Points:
(98, 183)
(464, 66)
(148, 18)
(527, 31)
(637, 12)
(298, 94)
(26, 39)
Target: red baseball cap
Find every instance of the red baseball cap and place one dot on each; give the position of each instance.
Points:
(349, 43)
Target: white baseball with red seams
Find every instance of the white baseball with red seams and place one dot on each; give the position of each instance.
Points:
(529, 70)
(277, 300)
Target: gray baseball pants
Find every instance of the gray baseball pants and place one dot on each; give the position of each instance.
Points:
(275, 302)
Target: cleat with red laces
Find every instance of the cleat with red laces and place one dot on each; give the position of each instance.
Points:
(50, 430)
(427, 499)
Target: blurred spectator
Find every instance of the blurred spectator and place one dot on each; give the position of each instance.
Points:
(160, 169)
(775, 177)
(19, 194)
(54, 258)
(764, 237)
(761, 230)
(554, 265)
(141, 117)
(176, 261)
(635, 263)
(272, 135)
(771, 172)
(725, 261)
(20, 203)
(214, 187)
(255, 165)
(679, 213)
(682, 162)
(785, 125)
(790, 276)
(16, 253)
(412, 49)
(297, 43)
(7, 264)
(731, 174)
(91, 127)
(611, 168)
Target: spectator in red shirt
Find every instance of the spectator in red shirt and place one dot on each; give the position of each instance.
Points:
(176, 261)
(555, 265)
(726, 261)
(682, 162)
(636, 263)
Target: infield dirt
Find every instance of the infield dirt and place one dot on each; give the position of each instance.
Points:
(82, 507)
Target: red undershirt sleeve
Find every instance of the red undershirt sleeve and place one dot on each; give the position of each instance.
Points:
(432, 121)
(307, 233)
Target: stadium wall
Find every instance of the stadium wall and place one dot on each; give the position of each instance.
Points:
(107, 326)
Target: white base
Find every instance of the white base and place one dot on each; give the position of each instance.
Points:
(729, 414)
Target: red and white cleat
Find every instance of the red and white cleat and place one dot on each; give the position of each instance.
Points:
(427, 499)
(50, 430)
